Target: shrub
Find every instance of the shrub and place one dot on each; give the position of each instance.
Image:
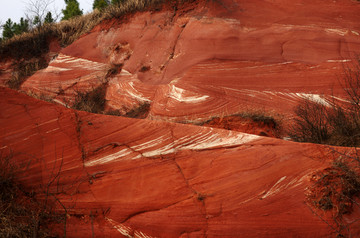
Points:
(311, 123)
(21, 214)
(23, 69)
(113, 113)
(335, 188)
(92, 101)
(141, 111)
(72, 9)
(335, 123)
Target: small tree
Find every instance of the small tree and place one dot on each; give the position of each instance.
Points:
(100, 4)
(37, 11)
(8, 30)
(11, 28)
(23, 26)
(49, 18)
(72, 9)
(36, 22)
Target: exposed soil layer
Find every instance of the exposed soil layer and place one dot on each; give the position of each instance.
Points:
(213, 182)
(155, 177)
(211, 58)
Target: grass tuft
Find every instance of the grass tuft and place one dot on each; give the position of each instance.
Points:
(21, 214)
(141, 111)
(249, 121)
(92, 101)
(23, 69)
(335, 188)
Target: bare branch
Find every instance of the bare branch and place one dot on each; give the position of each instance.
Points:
(38, 9)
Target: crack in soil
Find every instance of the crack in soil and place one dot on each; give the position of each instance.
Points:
(172, 54)
(153, 210)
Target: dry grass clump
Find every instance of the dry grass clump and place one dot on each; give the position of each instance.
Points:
(249, 121)
(334, 189)
(21, 214)
(94, 101)
(40, 96)
(36, 42)
(70, 30)
(140, 111)
(131, 6)
(91, 101)
(24, 69)
(27, 45)
(261, 118)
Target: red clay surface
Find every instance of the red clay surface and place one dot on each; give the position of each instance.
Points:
(161, 179)
(157, 178)
(212, 59)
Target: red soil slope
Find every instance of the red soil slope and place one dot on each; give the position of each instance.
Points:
(156, 178)
(213, 58)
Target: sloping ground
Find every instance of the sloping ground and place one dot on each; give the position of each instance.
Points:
(156, 179)
(211, 58)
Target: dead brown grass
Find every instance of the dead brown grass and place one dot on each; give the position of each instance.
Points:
(23, 69)
(21, 214)
(270, 123)
(92, 101)
(335, 189)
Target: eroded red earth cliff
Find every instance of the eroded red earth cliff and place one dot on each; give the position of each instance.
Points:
(154, 177)
(161, 179)
(211, 59)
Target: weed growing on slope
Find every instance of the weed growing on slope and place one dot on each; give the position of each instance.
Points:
(258, 119)
(23, 69)
(335, 188)
(334, 123)
(140, 111)
(323, 124)
(40, 96)
(21, 214)
(91, 101)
